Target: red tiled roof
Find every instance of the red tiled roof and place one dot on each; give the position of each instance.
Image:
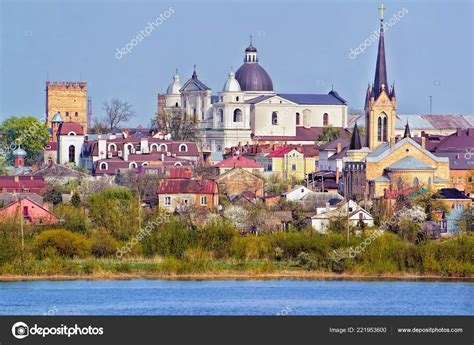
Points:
(30, 182)
(67, 127)
(280, 152)
(238, 161)
(187, 186)
(51, 146)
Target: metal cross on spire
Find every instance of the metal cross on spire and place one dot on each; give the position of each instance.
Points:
(382, 8)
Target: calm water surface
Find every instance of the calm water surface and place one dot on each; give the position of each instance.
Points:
(236, 297)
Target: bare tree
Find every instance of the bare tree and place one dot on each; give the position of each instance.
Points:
(117, 112)
(177, 123)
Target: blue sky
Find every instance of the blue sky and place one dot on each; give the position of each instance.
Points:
(304, 45)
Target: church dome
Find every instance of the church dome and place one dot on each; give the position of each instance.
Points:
(175, 86)
(19, 152)
(251, 76)
(231, 85)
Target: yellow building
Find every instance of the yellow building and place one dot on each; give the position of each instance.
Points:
(289, 163)
(386, 162)
(69, 99)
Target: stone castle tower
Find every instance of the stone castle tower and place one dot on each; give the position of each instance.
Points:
(69, 99)
(380, 102)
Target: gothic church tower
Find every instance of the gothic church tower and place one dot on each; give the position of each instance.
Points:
(380, 102)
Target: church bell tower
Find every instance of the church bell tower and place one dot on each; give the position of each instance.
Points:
(380, 101)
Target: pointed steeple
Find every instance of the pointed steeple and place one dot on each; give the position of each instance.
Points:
(392, 93)
(194, 72)
(407, 133)
(367, 96)
(380, 68)
(356, 143)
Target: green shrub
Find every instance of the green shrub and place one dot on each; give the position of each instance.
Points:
(103, 244)
(60, 242)
(74, 218)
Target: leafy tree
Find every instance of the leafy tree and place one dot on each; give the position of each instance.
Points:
(329, 133)
(76, 199)
(144, 185)
(28, 132)
(3, 166)
(117, 112)
(176, 122)
(431, 203)
(53, 194)
(466, 222)
(116, 210)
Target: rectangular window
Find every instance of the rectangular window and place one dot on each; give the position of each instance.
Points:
(185, 201)
(67, 113)
(204, 200)
(76, 114)
(269, 167)
(167, 200)
(459, 179)
(293, 167)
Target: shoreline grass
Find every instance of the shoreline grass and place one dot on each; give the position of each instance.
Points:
(171, 268)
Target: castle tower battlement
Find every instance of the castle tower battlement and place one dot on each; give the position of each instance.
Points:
(69, 99)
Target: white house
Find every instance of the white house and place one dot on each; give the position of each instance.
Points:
(355, 213)
(297, 194)
(70, 140)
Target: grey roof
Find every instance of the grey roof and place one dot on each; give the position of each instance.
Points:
(194, 84)
(409, 163)
(253, 77)
(332, 98)
(57, 117)
(381, 179)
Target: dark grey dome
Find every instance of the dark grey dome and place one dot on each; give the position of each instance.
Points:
(251, 49)
(252, 77)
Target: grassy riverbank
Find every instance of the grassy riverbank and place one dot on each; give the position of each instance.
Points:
(67, 269)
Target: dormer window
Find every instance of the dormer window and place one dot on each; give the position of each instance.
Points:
(103, 166)
(183, 148)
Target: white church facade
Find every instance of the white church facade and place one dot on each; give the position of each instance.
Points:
(248, 110)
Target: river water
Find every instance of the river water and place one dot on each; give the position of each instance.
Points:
(236, 297)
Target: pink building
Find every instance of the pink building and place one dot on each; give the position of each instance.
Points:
(31, 212)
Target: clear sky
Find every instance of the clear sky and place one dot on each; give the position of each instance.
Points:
(304, 45)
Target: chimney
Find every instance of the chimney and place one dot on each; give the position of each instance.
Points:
(16, 178)
(327, 206)
(423, 143)
(337, 175)
(338, 148)
(392, 142)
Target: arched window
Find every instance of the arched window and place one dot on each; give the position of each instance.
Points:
(274, 118)
(163, 148)
(385, 129)
(176, 104)
(103, 166)
(416, 182)
(72, 154)
(183, 148)
(237, 98)
(133, 165)
(178, 164)
(237, 115)
(72, 133)
(399, 183)
(112, 147)
(154, 147)
(145, 164)
(325, 119)
(221, 115)
(379, 129)
(298, 119)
